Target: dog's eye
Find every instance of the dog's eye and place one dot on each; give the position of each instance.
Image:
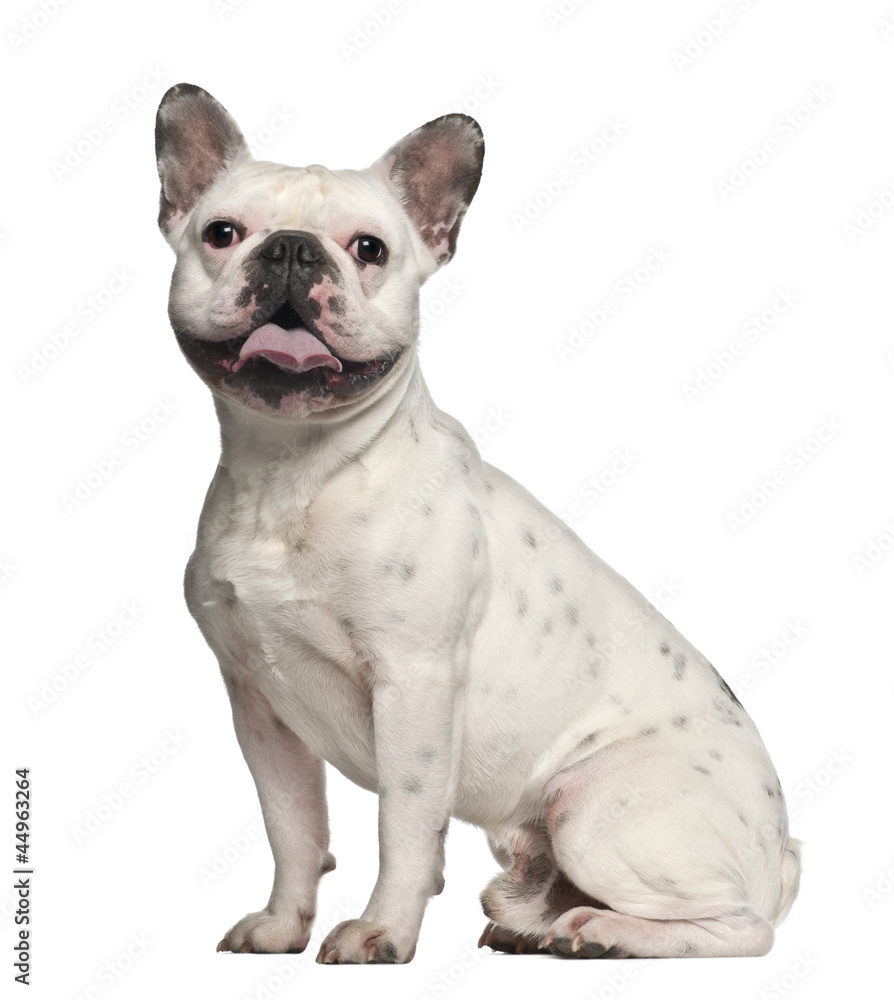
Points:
(369, 249)
(220, 234)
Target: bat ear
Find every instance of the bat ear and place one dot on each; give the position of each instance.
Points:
(196, 140)
(435, 171)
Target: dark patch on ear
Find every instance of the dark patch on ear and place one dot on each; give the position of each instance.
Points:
(195, 140)
(435, 170)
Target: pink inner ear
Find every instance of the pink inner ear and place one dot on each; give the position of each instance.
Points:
(435, 170)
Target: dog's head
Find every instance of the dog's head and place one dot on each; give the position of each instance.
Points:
(296, 289)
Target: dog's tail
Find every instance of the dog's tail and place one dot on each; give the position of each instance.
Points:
(791, 879)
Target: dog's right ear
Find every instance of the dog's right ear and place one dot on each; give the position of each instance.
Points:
(196, 139)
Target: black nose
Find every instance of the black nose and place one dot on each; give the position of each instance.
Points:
(292, 246)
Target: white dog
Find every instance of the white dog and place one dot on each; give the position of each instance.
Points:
(456, 649)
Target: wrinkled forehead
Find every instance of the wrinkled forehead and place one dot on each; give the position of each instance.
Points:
(315, 199)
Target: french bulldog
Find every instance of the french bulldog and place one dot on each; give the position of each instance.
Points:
(380, 598)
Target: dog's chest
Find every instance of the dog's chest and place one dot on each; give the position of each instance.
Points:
(262, 586)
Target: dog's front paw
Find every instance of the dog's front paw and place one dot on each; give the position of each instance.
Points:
(358, 942)
(273, 933)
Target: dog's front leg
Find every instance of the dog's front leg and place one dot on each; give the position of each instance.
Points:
(417, 730)
(290, 780)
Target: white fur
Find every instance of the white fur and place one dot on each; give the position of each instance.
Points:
(381, 598)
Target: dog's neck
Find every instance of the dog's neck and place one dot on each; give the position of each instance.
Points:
(259, 451)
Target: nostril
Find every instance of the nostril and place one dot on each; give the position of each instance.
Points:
(273, 250)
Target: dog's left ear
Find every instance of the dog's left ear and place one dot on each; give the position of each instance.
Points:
(435, 171)
(196, 140)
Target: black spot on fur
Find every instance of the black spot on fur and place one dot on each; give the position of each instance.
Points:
(679, 666)
(556, 585)
(715, 754)
(411, 785)
(700, 769)
(521, 603)
(724, 687)
(664, 649)
(571, 614)
(726, 713)
(649, 731)
(529, 538)
(680, 722)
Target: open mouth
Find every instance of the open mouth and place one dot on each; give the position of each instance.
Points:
(283, 356)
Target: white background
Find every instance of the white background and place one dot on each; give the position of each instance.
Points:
(134, 908)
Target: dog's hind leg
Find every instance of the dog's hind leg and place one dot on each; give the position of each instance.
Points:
(687, 867)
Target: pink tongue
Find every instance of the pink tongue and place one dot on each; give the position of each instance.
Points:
(295, 350)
